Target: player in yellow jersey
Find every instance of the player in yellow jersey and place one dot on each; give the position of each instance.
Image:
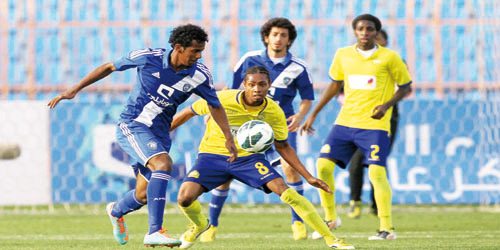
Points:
(212, 169)
(368, 73)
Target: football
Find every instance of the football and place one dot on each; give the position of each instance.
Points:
(255, 136)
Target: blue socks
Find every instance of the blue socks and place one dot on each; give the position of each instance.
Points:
(126, 205)
(297, 186)
(156, 193)
(216, 204)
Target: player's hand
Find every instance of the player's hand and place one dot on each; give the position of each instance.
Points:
(65, 95)
(206, 118)
(379, 112)
(315, 182)
(307, 127)
(294, 121)
(232, 149)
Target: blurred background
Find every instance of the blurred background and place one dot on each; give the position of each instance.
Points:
(447, 148)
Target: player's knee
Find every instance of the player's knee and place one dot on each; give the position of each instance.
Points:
(324, 166)
(185, 200)
(161, 162)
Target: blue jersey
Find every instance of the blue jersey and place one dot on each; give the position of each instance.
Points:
(287, 77)
(159, 90)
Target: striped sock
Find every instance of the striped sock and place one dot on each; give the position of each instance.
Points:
(126, 204)
(218, 198)
(156, 193)
(299, 187)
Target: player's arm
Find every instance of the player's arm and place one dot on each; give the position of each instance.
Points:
(331, 91)
(220, 117)
(288, 154)
(295, 120)
(380, 110)
(94, 76)
(181, 118)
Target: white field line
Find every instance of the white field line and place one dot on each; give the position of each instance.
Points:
(404, 235)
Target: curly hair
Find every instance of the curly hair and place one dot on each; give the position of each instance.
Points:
(367, 17)
(258, 70)
(279, 22)
(185, 34)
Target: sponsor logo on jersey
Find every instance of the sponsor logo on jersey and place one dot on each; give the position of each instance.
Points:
(194, 174)
(159, 101)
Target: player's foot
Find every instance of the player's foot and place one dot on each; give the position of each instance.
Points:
(354, 209)
(209, 235)
(189, 237)
(334, 224)
(299, 230)
(160, 238)
(119, 225)
(384, 235)
(340, 244)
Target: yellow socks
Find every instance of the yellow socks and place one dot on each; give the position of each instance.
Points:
(193, 212)
(308, 213)
(383, 195)
(325, 169)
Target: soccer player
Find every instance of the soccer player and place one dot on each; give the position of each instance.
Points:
(211, 169)
(368, 72)
(165, 79)
(288, 74)
(356, 167)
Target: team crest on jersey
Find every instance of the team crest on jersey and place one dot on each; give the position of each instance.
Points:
(287, 80)
(152, 145)
(187, 87)
(325, 149)
(194, 174)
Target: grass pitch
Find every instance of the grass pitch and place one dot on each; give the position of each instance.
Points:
(251, 227)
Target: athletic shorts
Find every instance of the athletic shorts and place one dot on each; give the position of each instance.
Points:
(212, 170)
(274, 157)
(139, 142)
(343, 141)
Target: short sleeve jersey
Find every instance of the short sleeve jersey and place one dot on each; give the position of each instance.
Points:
(368, 82)
(287, 77)
(238, 113)
(159, 89)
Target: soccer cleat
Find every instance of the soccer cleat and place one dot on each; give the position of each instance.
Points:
(331, 225)
(354, 209)
(299, 230)
(160, 238)
(340, 244)
(384, 235)
(119, 225)
(189, 237)
(209, 235)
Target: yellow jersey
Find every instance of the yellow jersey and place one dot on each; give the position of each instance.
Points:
(368, 82)
(238, 113)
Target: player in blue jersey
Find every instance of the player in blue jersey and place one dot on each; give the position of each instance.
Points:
(165, 79)
(288, 75)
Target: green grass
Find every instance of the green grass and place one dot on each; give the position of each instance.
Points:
(251, 227)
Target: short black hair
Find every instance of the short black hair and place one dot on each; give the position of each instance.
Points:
(258, 70)
(367, 17)
(383, 33)
(279, 22)
(185, 34)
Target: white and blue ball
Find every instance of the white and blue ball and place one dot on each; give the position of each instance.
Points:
(255, 136)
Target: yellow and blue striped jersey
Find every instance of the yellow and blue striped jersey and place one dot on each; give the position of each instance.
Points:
(368, 82)
(238, 113)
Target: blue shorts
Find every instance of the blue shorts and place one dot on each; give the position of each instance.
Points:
(272, 155)
(139, 142)
(212, 170)
(343, 141)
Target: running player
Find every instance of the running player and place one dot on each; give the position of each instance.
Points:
(165, 79)
(368, 72)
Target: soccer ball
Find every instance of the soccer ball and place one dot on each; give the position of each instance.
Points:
(255, 136)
